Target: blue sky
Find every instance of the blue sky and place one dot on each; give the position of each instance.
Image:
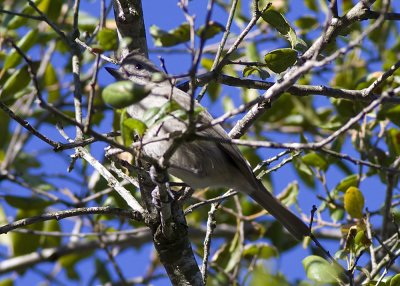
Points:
(166, 14)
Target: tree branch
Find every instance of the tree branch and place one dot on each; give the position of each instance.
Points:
(70, 213)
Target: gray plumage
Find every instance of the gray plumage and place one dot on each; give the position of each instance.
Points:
(199, 163)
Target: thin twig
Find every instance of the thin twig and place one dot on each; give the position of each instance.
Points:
(70, 213)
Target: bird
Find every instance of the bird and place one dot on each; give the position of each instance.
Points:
(198, 163)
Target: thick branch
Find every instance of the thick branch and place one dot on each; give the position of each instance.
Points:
(130, 22)
(305, 90)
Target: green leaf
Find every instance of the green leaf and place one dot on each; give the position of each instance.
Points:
(124, 93)
(361, 239)
(214, 90)
(235, 251)
(337, 215)
(150, 114)
(281, 59)
(206, 63)
(16, 82)
(393, 141)
(252, 52)
(279, 237)
(4, 126)
(280, 110)
(168, 108)
(14, 22)
(261, 276)
(393, 114)
(349, 181)
(249, 70)
(26, 243)
(86, 22)
(228, 104)
(375, 283)
(101, 271)
(306, 23)
(315, 160)
(53, 9)
(130, 127)
(7, 282)
(312, 5)
(51, 83)
(281, 24)
(48, 241)
(277, 20)
(14, 58)
(222, 255)
(259, 250)
(27, 203)
(113, 201)
(108, 39)
(68, 262)
(320, 270)
(354, 202)
(305, 172)
(5, 239)
(395, 281)
(289, 195)
(213, 28)
(170, 38)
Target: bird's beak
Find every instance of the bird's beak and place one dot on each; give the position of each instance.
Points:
(115, 73)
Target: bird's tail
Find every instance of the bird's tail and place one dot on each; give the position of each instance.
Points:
(288, 219)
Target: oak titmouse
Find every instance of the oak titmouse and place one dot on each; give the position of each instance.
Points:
(198, 163)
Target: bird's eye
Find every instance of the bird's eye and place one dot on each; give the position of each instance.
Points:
(138, 66)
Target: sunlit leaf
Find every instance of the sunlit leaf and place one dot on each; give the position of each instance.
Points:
(108, 39)
(170, 38)
(214, 90)
(354, 202)
(306, 23)
(282, 25)
(252, 52)
(52, 84)
(315, 160)
(48, 241)
(14, 22)
(124, 93)
(5, 239)
(250, 70)
(86, 22)
(393, 114)
(304, 172)
(69, 262)
(281, 59)
(130, 127)
(320, 270)
(350, 181)
(26, 243)
(362, 239)
(213, 28)
(27, 203)
(261, 276)
(25, 43)
(395, 281)
(260, 250)
(312, 5)
(7, 282)
(289, 195)
(16, 82)
(393, 140)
